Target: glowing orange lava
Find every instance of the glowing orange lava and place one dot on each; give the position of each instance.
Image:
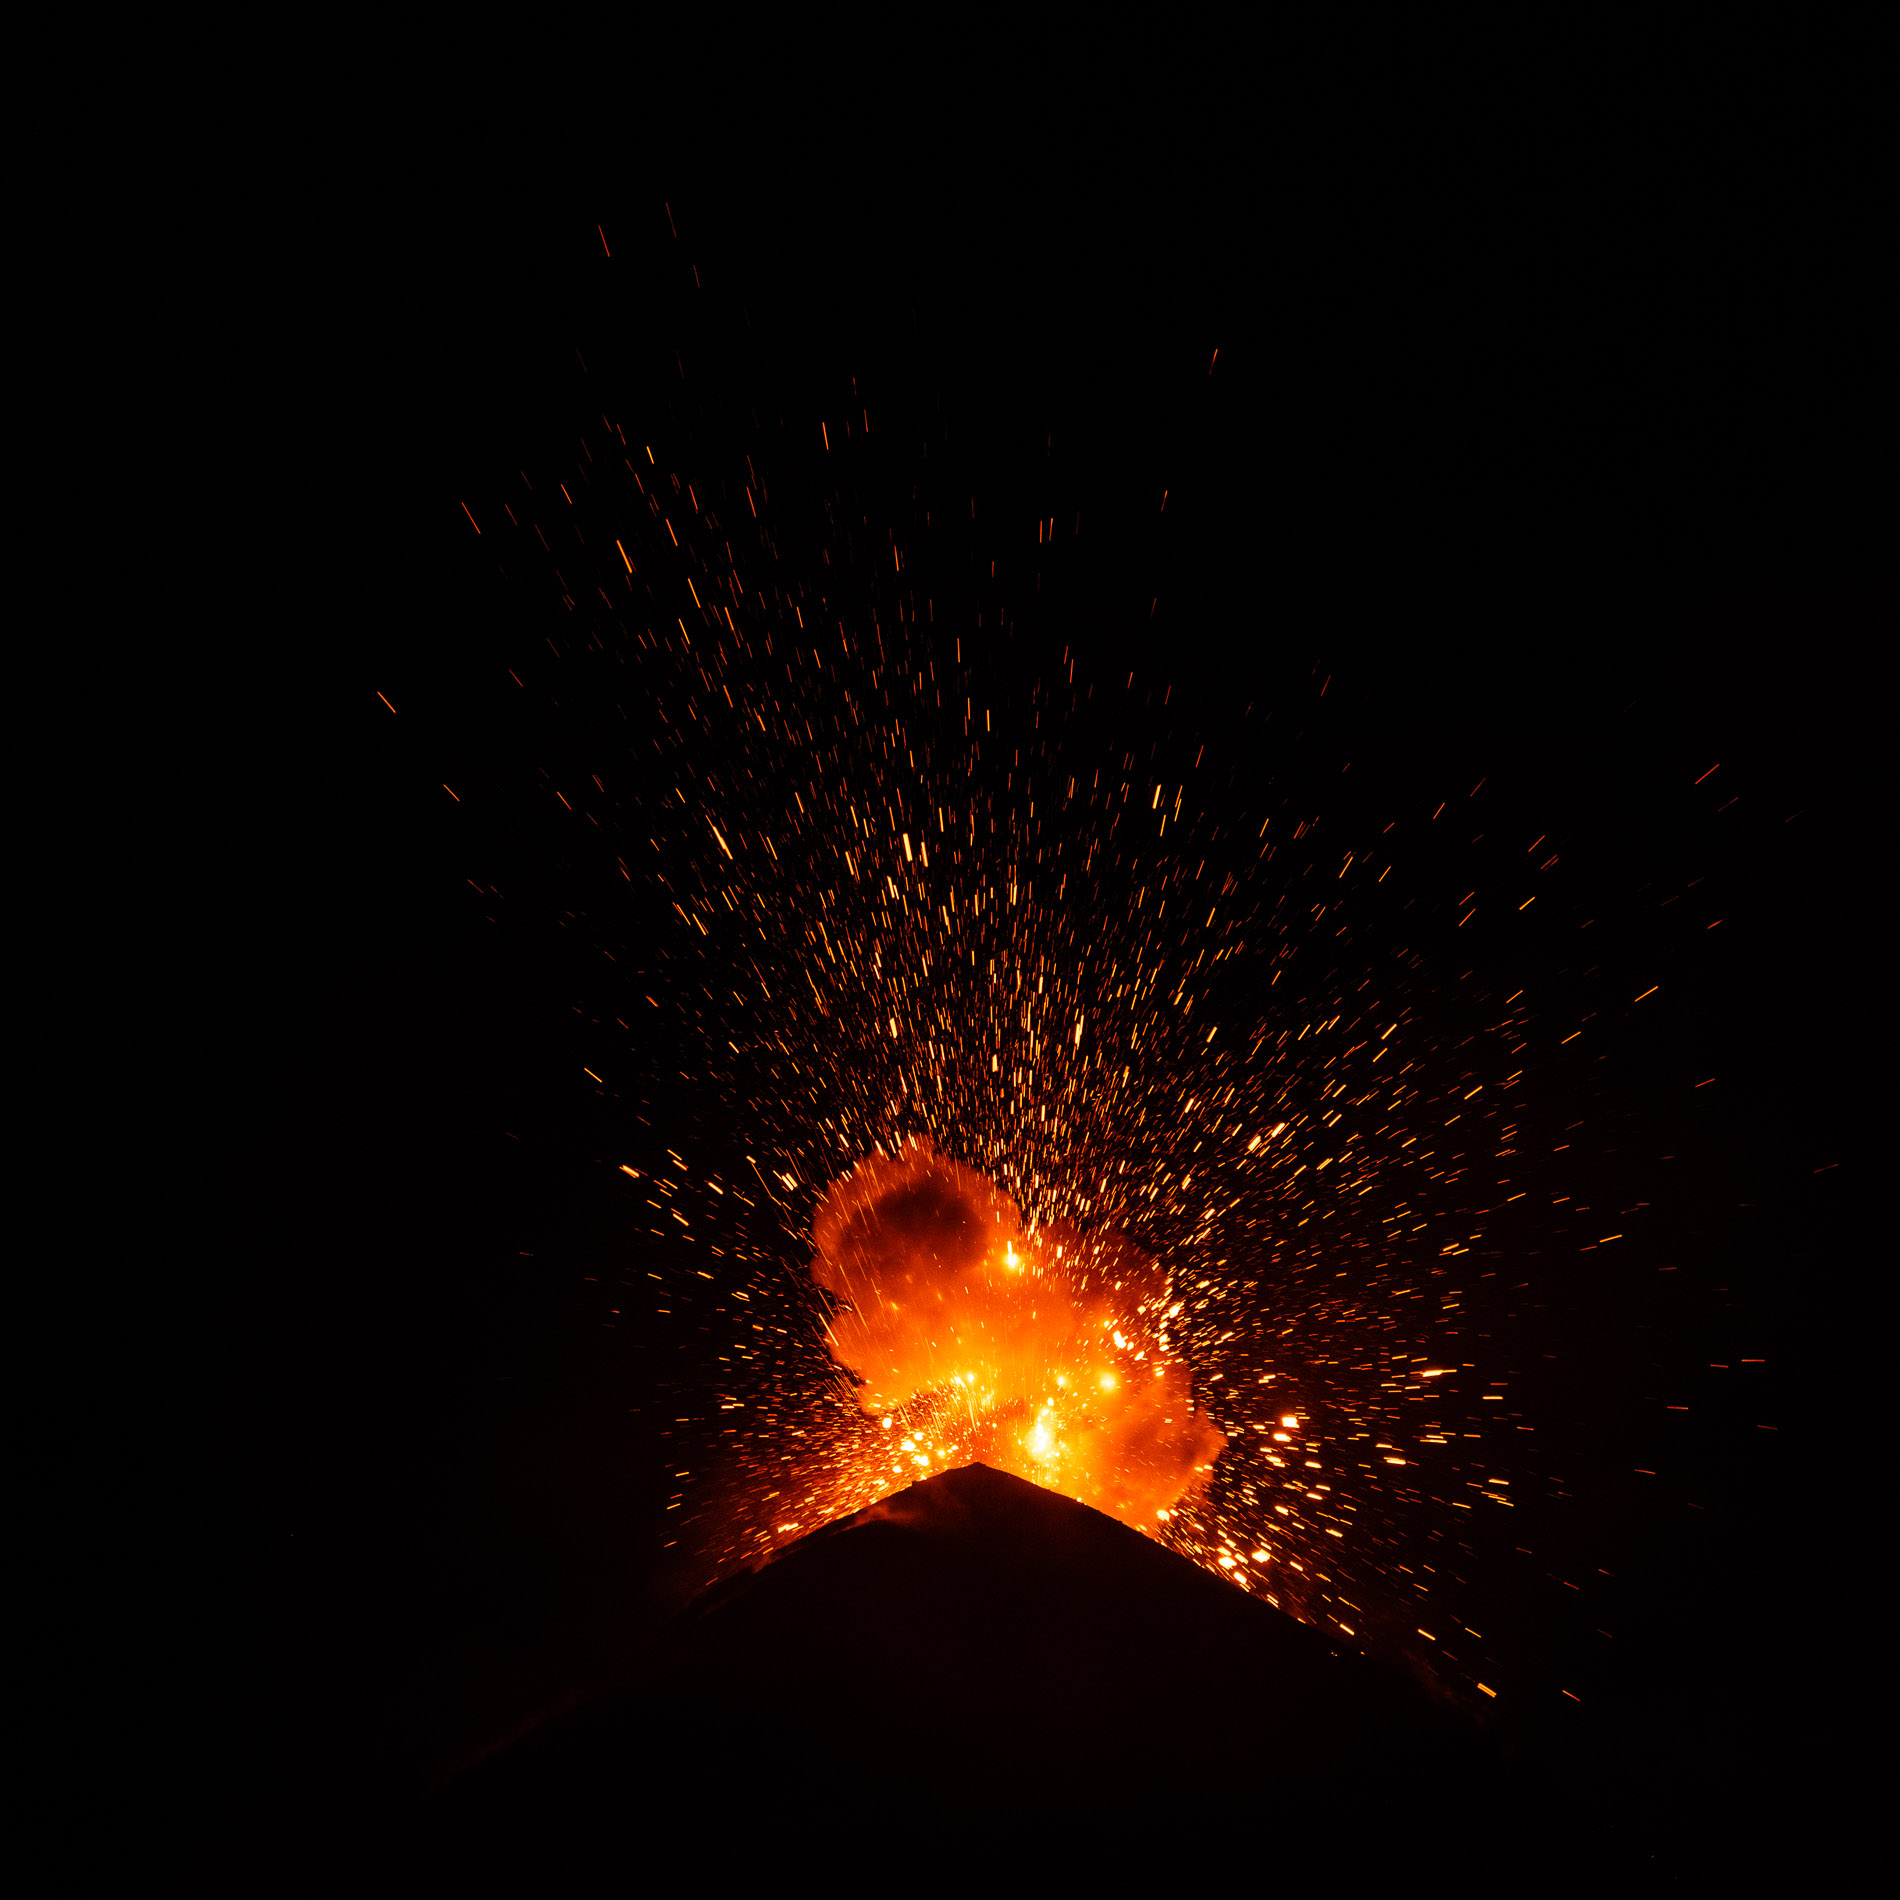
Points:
(1042, 1353)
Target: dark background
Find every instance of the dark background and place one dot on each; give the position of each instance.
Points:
(1538, 432)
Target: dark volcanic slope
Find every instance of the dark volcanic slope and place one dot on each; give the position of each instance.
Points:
(977, 1665)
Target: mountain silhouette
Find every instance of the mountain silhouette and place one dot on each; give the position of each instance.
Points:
(977, 1674)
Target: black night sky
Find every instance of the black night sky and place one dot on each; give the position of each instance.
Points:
(1423, 460)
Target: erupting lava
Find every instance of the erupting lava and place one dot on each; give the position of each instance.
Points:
(1242, 1061)
(1041, 1353)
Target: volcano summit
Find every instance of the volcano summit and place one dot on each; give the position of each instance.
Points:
(976, 1667)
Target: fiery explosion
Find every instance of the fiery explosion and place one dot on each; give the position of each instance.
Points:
(1084, 1104)
(1038, 1353)
(1063, 1071)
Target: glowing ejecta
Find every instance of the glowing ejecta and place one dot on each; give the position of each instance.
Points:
(1029, 1341)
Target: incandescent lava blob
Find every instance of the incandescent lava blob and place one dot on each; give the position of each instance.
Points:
(1043, 1353)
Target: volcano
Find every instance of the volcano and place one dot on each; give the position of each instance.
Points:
(976, 1672)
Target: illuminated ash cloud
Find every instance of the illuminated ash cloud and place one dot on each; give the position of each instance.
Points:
(1041, 1353)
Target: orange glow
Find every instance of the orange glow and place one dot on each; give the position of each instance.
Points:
(1007, 1347)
